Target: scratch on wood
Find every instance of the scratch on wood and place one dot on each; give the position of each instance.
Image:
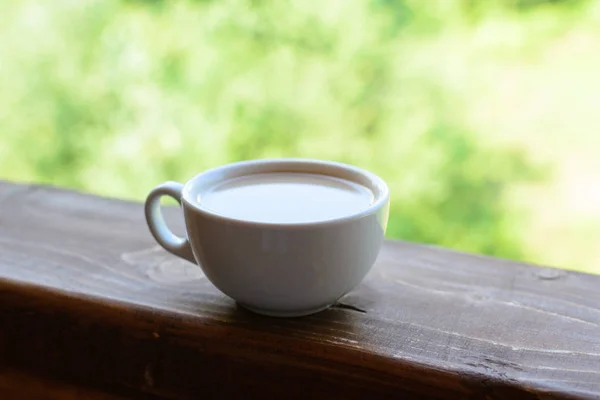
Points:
(538, 310)
(148, 378)
(350, 307)
(492, 363)
(502, 345)
(386, 276)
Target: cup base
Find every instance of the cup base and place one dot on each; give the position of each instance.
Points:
(283, 313)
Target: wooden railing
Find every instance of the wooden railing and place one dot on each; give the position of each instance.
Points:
(91, 306)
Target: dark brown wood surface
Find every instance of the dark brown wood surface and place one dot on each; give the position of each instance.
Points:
(87, 297)
(16, 385)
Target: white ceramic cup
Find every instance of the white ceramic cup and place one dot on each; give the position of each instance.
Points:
(275, 269)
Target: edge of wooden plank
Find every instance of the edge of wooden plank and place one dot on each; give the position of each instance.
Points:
(177, 356)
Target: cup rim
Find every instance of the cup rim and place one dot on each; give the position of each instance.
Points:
(381, 198)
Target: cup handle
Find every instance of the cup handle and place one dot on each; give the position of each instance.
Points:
(156, 222)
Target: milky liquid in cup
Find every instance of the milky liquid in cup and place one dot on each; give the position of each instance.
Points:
(286, 198)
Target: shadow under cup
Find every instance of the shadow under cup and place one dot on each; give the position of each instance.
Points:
(276, 269)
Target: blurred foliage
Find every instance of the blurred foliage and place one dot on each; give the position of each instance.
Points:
(113, 97)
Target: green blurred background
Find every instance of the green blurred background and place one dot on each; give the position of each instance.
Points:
(483, 116)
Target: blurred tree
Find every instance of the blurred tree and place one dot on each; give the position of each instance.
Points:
(114, 96)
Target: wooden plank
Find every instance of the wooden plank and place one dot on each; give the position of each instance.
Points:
(87, 296)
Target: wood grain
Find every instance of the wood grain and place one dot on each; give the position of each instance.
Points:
(87, 297)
